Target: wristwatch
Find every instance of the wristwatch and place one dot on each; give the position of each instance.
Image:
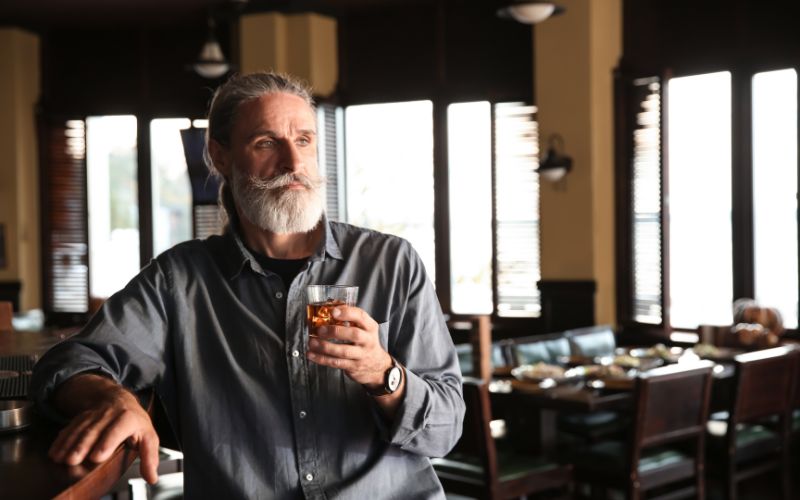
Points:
(391, 381)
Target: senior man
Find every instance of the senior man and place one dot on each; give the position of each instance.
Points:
(217, 327)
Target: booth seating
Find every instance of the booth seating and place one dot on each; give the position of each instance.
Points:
(591, 341)
(756, 436)
(466, 358)
(478, 469)
(664, 453)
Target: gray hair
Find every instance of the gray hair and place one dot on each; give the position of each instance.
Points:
(225, 104)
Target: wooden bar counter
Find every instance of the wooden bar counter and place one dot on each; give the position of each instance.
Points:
(26, 472)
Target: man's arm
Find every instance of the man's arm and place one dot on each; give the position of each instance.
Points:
(103, 415)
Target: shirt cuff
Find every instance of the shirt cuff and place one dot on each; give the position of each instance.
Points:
(44, 395)
(410, 417)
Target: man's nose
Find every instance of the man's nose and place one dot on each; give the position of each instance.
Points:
(292, 160)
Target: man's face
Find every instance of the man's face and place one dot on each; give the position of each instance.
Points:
(271, 164)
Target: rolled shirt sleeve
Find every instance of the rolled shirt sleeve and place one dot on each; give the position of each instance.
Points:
(124, 341)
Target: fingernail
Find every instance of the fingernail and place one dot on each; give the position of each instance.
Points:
(313, 342)
(323, 329)
(311, 355)
(336, 313)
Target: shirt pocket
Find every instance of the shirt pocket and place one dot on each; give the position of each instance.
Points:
(383, 334)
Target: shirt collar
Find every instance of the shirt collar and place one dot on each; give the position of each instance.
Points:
(237, 254)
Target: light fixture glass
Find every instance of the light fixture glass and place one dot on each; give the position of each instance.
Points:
(554, 166)
(530, 12)
(211, 62)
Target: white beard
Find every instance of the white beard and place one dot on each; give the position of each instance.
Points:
(272, 207)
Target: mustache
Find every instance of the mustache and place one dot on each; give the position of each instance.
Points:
(284, 180)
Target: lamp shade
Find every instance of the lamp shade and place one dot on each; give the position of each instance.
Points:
(211, 62)
(531, 12)
(554, 166)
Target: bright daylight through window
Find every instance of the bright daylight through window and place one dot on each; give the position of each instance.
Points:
(172, 194)
(111, 163)
(469, 147)
(699, 203)
(775, 191)
(389, 151)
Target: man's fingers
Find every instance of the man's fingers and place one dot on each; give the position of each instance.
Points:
(68, 437)
(148, 452)
(321, 359)
(323, 347)
(355, 316)
(116, 432)
(84, 442)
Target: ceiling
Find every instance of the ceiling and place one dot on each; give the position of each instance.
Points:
(43, 14)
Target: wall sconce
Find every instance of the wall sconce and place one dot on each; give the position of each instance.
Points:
(530, 12)
(211, 62)
(554, 166)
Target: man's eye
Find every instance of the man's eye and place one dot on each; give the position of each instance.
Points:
(304, 141)
(266, 143)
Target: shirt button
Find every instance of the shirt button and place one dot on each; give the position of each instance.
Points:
(295, 353)
(279, 295)
(309, 477)
(303, 415)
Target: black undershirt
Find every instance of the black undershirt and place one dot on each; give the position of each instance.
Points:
(287, 269)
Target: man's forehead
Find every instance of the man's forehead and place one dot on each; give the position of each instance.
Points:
(276, 110)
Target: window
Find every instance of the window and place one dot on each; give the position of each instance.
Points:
(389, 158)
(516, 210)
(646, 204)
(113, 202)
(699, 200)
(775, 191)
(172, 194)
(470, 190)
(718, 212)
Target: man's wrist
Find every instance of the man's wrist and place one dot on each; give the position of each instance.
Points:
(392, 379)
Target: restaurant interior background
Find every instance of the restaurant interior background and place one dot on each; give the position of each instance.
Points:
(681, 196)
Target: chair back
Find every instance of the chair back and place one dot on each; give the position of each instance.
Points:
(6, 313)
(672, 403)
(764, 382)
(592, 341)
(671, 407)
(796, 401)
(476, 438)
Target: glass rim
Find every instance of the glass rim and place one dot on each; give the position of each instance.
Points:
(332, 286)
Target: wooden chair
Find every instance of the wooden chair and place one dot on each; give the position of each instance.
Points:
(6, 313)
(477, 469)
(755, 438)
(664, 454)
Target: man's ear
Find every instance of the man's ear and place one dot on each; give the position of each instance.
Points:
(220, 157)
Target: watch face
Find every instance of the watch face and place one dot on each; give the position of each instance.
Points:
(393, 380)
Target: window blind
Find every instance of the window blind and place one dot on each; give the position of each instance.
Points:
(65, 232)
(517, 250)
(647, 195)
(331, 164)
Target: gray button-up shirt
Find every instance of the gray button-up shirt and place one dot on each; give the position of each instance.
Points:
(224, 342)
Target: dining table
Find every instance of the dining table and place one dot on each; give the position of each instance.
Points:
(26, 471)
(531, 407)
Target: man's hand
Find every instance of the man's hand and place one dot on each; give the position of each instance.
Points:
(362, 358)
(103, 416)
